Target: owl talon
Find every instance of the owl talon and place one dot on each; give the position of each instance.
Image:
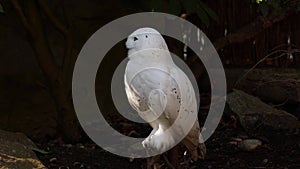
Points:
(159, 142)
(145, 143)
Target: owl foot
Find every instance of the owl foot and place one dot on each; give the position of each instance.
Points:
(160, 142)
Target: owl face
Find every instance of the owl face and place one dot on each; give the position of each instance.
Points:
(145, 38)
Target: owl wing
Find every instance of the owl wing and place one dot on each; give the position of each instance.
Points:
(193, 141)
(146, 90)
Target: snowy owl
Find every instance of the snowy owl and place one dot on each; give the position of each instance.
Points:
(161, 92)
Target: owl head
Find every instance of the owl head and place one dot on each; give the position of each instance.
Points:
(145, 38)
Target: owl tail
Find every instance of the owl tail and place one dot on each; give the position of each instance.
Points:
(195, 145)
(198, 150)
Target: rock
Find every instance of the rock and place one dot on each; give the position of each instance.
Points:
(68, 145)
(52, 160)
(235, 141)
(276, 86)
(273, 94)
(76, 164)
(256, 115)
(249, 144)
(15, 152)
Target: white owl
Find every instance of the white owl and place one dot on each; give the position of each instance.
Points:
(161, 92)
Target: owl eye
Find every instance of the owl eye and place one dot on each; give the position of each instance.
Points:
(135, 39)
(146, 36)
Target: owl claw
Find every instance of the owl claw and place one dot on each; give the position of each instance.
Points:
(146, 142)
(160, 143)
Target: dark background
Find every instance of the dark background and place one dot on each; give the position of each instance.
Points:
(40, 41)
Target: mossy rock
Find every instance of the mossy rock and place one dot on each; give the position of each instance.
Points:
(255, 114)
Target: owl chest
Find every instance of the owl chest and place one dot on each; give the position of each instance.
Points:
(151, 80)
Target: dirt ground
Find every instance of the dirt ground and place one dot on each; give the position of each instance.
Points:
(279, 150)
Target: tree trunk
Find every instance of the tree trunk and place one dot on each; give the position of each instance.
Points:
(67, 121)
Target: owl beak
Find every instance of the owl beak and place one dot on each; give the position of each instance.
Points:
(129, 44)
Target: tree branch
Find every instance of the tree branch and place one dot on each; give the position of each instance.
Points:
(249, 31)
(52, 18)
(23, 18)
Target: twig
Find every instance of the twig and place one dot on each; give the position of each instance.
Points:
(281, 104)
(168, 162)
(285, 80)
(283, 45)
(69, 43)
(52, 18)
(253, 67)
(23, 18)
(284, 52)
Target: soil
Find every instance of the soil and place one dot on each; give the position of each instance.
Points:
(279, 150)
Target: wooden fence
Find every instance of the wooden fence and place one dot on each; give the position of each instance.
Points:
(280, 40)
